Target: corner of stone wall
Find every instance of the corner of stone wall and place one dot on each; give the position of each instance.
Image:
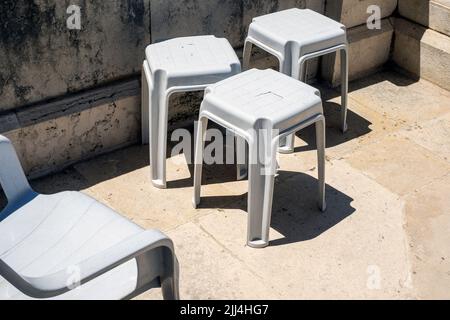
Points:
(422, 40)
(369, 49)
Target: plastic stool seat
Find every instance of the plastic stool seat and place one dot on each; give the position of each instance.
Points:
(266, 94)
(193, 61)
(310, 30)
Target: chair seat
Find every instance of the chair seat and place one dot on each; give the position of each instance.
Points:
(189, 61)
(56, 232)
(310, 30)
(254, 95)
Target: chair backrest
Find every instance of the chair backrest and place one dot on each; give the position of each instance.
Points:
(12, 178)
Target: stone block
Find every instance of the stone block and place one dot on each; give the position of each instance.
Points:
(368, 51)
(257, 8)
(178, 18)
(354, 12)
(422, 52)
(434, 14)
(51, 145)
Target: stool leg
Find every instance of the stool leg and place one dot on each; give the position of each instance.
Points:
(247, 54)
(286, 143)
(287, 146)
(321, 141)
(158, 136)
(260, 193)
(344, 88)
(304, 72)
(241, 158)
(145, 102)
(198, 159)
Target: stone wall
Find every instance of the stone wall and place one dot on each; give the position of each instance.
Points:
(422, 44)
(67, 95)
(369, 49)
(40, 58)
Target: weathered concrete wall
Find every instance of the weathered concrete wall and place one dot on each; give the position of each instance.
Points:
(66, 95)
(53, 144)
(434, 14)
(353, 13)
(254, 8)
(223, 18)
(368, 49)
(422, 45)
(41, 58)
(78, 70)
(423, 52)
(177, 18)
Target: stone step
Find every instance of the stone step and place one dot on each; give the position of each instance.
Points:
(422, 52)
(368, 51)
(434, 14)
(353, 13)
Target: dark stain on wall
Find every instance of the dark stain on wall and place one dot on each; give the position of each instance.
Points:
(2, 83)
(21, 20)
(261, 6)
(136, 12)
(21, 24)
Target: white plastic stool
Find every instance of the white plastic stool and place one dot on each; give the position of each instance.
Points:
(261, 106)
(295, 36)
(178, 65)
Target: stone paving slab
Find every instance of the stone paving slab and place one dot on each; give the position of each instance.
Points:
(433, 135)
(399, 164)
(325, 255)
(428, 225)
(384, 235)
(129, 189)
(400, 98)
(365, 126)
(209, 271)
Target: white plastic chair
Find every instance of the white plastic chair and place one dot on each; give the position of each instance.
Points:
(69, 246)
(295, 36)
(261, 106)
(178, 65)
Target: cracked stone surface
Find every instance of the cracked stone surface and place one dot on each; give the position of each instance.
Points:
(41, 58)
(384, 235)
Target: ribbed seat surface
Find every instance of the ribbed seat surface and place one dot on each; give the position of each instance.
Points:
(263, 94)
(192, 56)
(312, 31)
(56, 232)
